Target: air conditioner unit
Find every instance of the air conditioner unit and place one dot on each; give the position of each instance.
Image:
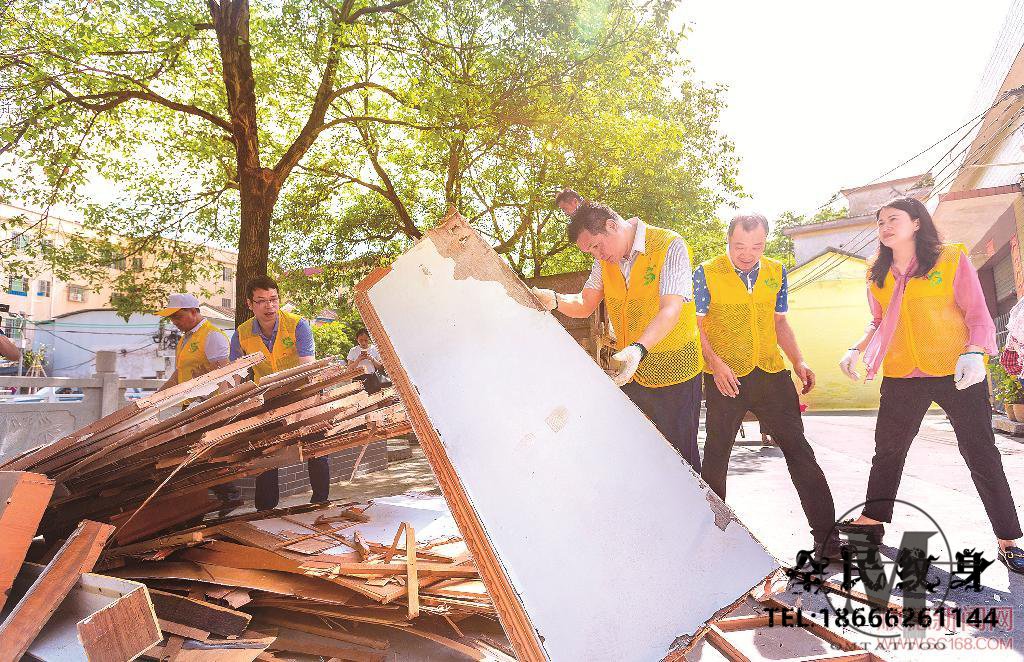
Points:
(76, 296)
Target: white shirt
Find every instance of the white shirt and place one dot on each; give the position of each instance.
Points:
(217, 346)
(365, 364)
(676, 274)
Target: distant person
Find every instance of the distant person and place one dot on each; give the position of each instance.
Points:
(366, 356)
(202, 347)
(929, 335)
(569, 201)
(286, 341)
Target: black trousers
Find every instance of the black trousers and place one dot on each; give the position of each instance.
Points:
(268, 491)
(903, 405)
(675, 411)
(371, 382)
(773, 398)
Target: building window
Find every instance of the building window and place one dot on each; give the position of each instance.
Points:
(136, 264)
(43, 288)
(77, 293)
(17, 285)
(120, 264)
(225, 303)
(226, 273)
(13, 327)
(19, 240)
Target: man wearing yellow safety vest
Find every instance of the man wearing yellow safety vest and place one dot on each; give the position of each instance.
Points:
(741, 301)
(202, 346)
(642, 273)
(286, 341)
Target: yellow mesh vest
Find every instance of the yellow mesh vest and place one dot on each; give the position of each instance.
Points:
(740, 325)
(190, 357)
(284, 354)
(931, 333)
(677, 357)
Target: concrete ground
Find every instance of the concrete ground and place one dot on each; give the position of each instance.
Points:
(935, 479)
(759, 489)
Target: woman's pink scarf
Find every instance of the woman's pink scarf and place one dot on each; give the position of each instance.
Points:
(879, 343)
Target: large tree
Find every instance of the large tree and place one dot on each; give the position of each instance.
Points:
(320, 132)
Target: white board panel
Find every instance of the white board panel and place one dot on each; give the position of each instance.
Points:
(603, 530)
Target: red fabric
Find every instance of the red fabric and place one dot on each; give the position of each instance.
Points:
(1010, 361)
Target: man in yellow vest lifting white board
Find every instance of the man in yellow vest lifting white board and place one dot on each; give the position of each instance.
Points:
(642, 273)
(202, 346)
(287, 341)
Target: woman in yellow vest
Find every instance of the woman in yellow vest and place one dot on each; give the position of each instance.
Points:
(642, 273)
(930, 334)
(286, 341)
(202, 346)
(741, 299)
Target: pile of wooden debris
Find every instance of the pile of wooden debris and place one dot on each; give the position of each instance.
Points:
(126, 496)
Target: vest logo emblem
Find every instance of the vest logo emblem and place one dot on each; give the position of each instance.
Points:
(649, 275)
(772, 283)
(288, 342)
(935, 278)
(193, 346)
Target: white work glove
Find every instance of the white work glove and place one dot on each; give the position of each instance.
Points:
(547, 298)
(627, 361)
(970, 370)
(849, 364)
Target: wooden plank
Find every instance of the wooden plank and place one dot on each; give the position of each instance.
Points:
(261, 580)
(735, 623)
(412, 582)
(162, 514)
(23, 499)
(163, 542)
(301, 623)
(77, 555)
(212, 618)
(317, 645)
(716, 638)
(216, 650)
(186, 631)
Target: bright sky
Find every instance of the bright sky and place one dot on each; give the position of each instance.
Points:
(830, 95)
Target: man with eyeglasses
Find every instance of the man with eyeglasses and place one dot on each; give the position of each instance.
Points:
(286, 341)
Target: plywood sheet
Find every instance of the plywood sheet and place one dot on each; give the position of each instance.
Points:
(564, 491)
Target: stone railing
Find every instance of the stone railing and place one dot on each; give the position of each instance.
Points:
(25, 425)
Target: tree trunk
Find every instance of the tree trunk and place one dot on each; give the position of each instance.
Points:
(259, 190)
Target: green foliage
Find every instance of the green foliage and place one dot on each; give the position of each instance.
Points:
(337, 338)
(780, 246)
(369, 123)
(1005, 387)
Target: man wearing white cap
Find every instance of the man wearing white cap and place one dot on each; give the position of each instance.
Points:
(202, 346)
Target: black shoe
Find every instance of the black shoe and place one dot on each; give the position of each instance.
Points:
(830, 549)
(1013, 559)
(873, 532)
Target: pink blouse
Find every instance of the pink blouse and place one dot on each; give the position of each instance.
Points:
(970, 298)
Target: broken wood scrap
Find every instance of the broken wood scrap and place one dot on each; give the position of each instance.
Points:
(101, 618)
(78, 554)
(23, 499)
(213, 650)
(199, 614)
(312, 644)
